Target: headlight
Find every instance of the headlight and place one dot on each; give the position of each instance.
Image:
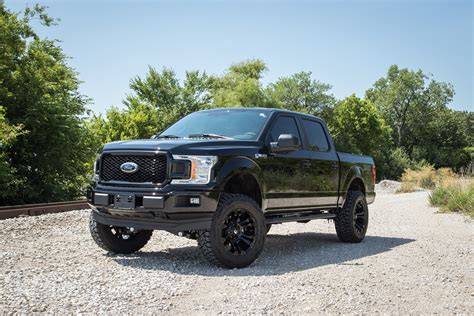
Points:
(96, 168)
(201, 167)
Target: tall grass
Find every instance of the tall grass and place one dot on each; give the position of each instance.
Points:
(426, 177)
(448, 191)
(455, 195)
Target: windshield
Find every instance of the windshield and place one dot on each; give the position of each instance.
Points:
(236, 124)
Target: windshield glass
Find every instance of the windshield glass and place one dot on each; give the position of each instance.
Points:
(237, 124)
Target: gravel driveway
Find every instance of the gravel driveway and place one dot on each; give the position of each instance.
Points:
(413, 260)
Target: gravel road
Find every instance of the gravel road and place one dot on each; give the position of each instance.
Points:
(413, 260)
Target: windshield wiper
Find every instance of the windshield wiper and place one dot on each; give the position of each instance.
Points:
(209, 136)
(165, 136)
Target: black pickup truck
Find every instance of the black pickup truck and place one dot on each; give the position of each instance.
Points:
(223, 177)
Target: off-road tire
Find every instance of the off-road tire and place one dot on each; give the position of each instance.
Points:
(345, 220)
(106, 240)
(211, 243)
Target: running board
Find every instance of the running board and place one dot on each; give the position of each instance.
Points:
(276, 218)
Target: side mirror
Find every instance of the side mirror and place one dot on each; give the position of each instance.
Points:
(285, 143)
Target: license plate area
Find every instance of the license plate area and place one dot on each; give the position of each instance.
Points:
(124, 201)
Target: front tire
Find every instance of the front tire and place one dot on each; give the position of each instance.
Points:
(352, 219)
(237, 234)
(123, 240)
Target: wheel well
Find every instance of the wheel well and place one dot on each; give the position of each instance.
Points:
(357, 185)
(246, 184)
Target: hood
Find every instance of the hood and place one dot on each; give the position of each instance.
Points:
(188, 146)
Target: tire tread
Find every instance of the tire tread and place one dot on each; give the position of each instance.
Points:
(98, 235)
(205, 236)
(343, 220)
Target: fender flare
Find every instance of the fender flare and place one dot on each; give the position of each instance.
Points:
(354, 173)
(236, 165)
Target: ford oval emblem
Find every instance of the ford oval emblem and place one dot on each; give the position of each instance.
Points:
(129, 167)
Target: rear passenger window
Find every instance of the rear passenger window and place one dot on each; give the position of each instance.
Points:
(284, 125)
(316, 136)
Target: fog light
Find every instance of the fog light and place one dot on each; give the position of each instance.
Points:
(101, 199)
(194, 200)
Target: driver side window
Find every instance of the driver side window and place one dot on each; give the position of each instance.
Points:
(284, 125)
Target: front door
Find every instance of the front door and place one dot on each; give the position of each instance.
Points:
(285, 174)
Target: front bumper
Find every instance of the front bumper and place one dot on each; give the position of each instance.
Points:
(171, 210)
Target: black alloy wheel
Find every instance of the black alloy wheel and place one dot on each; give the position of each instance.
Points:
(238, 232)
(360, 219)
(123, 233)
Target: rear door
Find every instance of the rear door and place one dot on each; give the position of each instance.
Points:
(324, 167)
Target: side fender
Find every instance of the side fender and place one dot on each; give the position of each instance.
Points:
(355, 172)
(235, 165)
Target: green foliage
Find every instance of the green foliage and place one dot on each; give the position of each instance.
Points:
(240, 86)
(415, 107)
(444, 139)
(9, 182)
(357, 127)
(159, 89)
(407, 101)
(156, 101)
(301, 93)
(396, 162)
(40, 93)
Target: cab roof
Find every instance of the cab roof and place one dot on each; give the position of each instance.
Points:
(260, 109)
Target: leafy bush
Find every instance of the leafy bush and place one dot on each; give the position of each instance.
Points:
(396, 162)
(455, 195)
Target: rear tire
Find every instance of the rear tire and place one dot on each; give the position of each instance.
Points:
(352, 219)
(123, 240)
(237, 234)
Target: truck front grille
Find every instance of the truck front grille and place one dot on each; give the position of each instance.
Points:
(151, 168)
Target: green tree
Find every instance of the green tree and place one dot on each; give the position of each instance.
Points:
(445, 138)
(240, 86)
(415, 106)
(300, 92)
(9, 182)
(155, 102)
(357, 127)
(137, 120)
(408, 100)
(40, 92)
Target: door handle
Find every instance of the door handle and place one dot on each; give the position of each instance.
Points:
(306, 163)
(334, 166)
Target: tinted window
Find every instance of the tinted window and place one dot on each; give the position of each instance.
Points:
(284, 125)
(234, 123)
(316, 137)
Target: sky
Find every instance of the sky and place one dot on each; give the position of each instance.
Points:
(348, 44)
